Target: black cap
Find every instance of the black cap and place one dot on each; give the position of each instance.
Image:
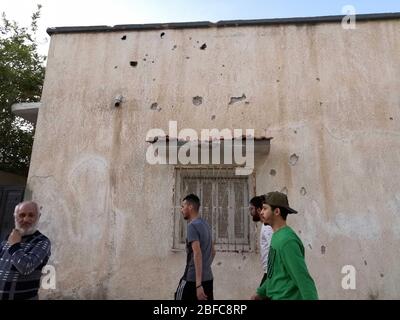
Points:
(278, 199)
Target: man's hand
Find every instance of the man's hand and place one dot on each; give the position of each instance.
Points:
(14, 237)
(200, 293)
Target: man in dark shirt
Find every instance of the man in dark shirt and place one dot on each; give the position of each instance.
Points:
(23, 255)
(197, 281)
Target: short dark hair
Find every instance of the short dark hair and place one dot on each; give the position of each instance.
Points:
(257, 201)
(193, 200)
(284, 212)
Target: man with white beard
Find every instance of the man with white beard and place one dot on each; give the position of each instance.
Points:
(23, 255)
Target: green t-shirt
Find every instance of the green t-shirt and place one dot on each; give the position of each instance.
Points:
(287, 276)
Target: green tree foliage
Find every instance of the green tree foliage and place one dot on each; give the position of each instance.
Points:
(21, 79)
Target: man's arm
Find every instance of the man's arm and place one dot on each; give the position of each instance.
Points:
(26, 263)
(2, 245)
(198, 265)
(296, 266)
(261, 292)
(213, 252)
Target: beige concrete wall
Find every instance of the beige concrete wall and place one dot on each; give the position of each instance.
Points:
(328, 95)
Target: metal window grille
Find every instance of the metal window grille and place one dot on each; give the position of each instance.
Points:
(224, 204)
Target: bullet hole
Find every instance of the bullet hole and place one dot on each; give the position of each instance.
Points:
(144, 59)
(187, 58)
(310, 246)
(174, 47)
(154, 79)
(247, 102)
(284, 190)
(279, 68)
(197, 41)
(197, 100)
(373, 296)
(123, 38)
(133, 63)
(244, 258)
(277, 81)
(190, 38)
(382, 275)
(365, 262)
(320, 103)
(223, 66)
(318, 79)
(118, 101)
(219, 263)
(220, 74)
(237, 99)
(391, 118)
(203, 46)
(303, 191)
(146, 55)
(272, 172)
(299, 231)
(115, 67)
(152, 61)
(213, 117)
(162, 35)
(295, 132)
(293, 159)
(323, 249)
(239, 267)
(154, 106)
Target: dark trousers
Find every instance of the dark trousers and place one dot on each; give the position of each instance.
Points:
(186, 290)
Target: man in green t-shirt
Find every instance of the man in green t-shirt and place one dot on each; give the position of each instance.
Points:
(287, 277)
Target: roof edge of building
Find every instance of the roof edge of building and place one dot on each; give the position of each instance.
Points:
(221, 24)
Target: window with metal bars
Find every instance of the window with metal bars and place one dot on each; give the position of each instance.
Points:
(224, 204)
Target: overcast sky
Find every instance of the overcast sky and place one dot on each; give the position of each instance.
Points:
(57, 13)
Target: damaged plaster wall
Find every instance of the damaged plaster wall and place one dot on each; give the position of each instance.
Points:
(328, 96)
